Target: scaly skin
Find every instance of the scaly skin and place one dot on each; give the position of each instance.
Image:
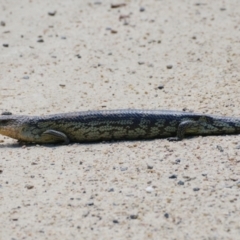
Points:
(92, 126)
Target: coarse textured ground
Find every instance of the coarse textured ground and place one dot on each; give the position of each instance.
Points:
(63, 56)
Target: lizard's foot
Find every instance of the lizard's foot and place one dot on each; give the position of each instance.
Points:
(57, 135)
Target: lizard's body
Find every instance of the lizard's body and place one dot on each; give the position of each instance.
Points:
(92, 126)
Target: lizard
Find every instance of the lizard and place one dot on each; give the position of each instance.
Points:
(107, 125)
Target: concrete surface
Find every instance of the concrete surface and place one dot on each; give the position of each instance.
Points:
(62, 56)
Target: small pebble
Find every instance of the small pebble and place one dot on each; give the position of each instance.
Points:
(133, 216)
(180, 183)
(160, 86)
(149, 189)
(78, 56)
(177, 161)
(6, 45)
(166, 215)
(220, 148)
(26, 77)
(142, 9)
(29, 186)
(173, 176)
(169, 66)
(111, 190)
(115, 221)
(40, 40)
(118, 5)
(113, 31)
(124, 169)
(149, 166)
(52, 13)
(196, 189)
(2, 23)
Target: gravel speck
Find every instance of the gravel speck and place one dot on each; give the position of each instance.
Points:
(160, 86)
(173, 176)
(5, 45)
(169, 66)
(2, 23)
(166, 215)
(149, 189)
(180, 183)
(142, 9)
(52, 13)
(149, 166)
(177, 161)
(124, 169)
(220, 148)
(118, 5)
(133, 216)
(196, 189)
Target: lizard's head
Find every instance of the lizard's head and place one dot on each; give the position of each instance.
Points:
(9, 125)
